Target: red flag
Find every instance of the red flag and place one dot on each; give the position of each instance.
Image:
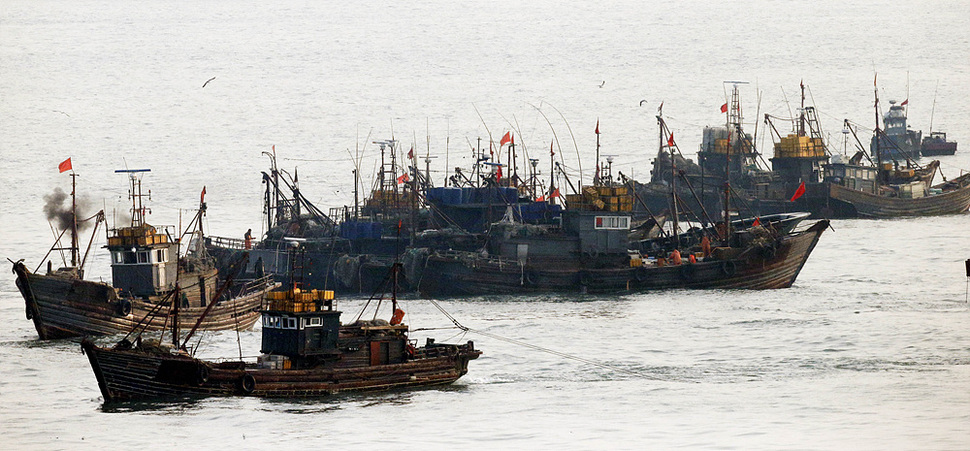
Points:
(411, 153)
(670, 141)
(597, 126)
(798, 192)
(724, 108)
(905, 102)
(505, 139)
(555, 193)
(541, 198)
(512, 140)
(552, 153)
(403, 178)
(65, 165)
(757, 222)
(202, 198)
(498, 174)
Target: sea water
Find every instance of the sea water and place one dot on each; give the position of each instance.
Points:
(870, 349)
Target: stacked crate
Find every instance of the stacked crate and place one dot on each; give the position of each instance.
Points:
(601, 198)
(297, 301)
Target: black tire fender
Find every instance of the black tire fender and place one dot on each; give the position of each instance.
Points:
(729, 268)
(585, 278)
(124, 307)
(640, 274)
(247, 383)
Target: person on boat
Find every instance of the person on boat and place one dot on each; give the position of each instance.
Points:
(706, 246)
(675, 258)
(249, 239)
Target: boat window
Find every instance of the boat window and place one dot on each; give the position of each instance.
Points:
(290, 323)
(118, 257)
(160, 256)
(143, 257)
(613, 222)
(129, 257)
(314, 321)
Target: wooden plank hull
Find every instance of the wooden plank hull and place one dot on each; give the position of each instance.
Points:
(129, 375)
(775, 268)
(64, 307)
(873, 206)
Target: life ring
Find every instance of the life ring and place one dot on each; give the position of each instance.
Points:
(585, 278)
(124, 307)
(728, 267)
(201, 375)
(247, 383)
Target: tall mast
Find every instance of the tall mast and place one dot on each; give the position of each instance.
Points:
(801, 112)
(74, 245)
(673, 180)
(875, 93)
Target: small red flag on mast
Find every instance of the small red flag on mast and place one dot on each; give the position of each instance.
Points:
(670, 141)
(597, 126)
(505, 139)
(65, 165)
(905, 102)
(724, 108)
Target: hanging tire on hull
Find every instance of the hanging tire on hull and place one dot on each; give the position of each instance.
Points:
(729, 268)
(247, 383)
(124, 307)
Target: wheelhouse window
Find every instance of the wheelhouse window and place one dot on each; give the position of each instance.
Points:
(613, 222)
(143, 257)
(130, 258)
(117, 257)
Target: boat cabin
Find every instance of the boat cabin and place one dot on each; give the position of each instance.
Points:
(300, 324)
(143, 261)
(852, 176)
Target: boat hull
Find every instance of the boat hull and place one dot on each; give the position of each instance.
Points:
(133, 374)
(769, 268)
(65, 307)
(873, 206)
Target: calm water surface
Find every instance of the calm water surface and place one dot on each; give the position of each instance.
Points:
(869, 350)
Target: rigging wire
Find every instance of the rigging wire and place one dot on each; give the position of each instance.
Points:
(537, 347)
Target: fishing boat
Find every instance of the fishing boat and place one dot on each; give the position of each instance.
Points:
(305, 352)
(149, 275)
(897, 141)
(807, 176)
(591, 252)
(936, 144)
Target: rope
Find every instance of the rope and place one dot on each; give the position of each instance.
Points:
(539, 348)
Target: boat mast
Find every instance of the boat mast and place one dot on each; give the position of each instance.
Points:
(875, 92)
(74, 245)
(673, 180)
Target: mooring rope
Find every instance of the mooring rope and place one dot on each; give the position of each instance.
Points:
(540, 348)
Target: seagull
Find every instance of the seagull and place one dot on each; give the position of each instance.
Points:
(601, 84)
(207, 81)
(59, 111)
(643, 101)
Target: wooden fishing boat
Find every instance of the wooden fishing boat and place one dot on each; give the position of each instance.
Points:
(945, 198)
(147, 272)
(764, 263)
(306, 352)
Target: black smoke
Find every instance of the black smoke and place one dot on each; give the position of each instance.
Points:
(57, 207)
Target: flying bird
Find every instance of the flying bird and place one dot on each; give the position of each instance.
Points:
(643, 101)
(601, 84)
(207, 81)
